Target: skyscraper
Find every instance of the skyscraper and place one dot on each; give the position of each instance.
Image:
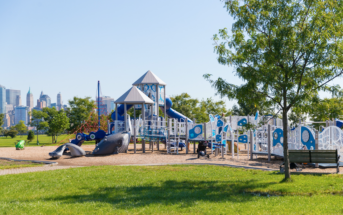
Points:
(21, 113)
(2, 99)
(109, 102)
(45, 98)
(11, 96)
(18, 100)
(29, 100)
(59, 102)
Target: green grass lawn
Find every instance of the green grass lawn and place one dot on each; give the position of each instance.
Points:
(5, 164)
(43, 140)
(168, 190)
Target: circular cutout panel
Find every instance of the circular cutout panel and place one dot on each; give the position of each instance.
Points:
(275, 135)
(305, 136)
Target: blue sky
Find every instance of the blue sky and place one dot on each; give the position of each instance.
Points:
(67, 46)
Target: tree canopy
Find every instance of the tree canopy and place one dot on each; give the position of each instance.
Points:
(79, 111)
(285, 51)
(193, 108)
(51, 120)
(21, 127)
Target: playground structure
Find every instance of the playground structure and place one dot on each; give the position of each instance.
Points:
(176, 131)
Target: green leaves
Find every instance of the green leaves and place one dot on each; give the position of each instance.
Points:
(51, 120)
(281, 47)
(79, 111)
(285, 51)
(21, 127)
(193, 108)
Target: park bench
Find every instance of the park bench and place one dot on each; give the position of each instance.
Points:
(314, 156)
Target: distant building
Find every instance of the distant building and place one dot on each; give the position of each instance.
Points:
(59, 101)
(11, 96)
(9, 108)
(37, 108)
(65, 107)
(7, 120)
(54, 105)
(18, 100)
(45, 98)
(2, 99)
(29, 100)
(21, 113)
(109, 102)
(102, 106)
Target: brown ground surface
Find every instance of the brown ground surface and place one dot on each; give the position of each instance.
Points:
(149, 158)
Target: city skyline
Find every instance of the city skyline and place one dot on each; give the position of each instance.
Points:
(15, 109)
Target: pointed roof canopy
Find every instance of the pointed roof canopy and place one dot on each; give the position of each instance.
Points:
(134, 96)
(29, 90)
(149, 78)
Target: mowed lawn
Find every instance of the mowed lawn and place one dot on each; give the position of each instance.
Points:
(42, 138)
(168, 190)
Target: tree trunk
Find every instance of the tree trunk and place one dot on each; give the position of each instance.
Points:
(285, 143)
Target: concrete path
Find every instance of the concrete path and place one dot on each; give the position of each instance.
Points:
(32, 169)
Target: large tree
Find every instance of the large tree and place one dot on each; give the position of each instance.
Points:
(79, 111)
(53, 121)
(284, 50)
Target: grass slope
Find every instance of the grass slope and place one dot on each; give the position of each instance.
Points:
(168, 190)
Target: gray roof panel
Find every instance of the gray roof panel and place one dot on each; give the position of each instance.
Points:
(149, 78)
(134, 96)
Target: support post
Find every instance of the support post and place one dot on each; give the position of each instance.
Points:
(316, 146)
(205, 135)
(165, 104)
(233, 144)
(134, 128)
(169, 130)
(152, 126)
(116, 111)
(251, 144)
(237, 145)
(186, 139)
(157, 114)
(125, 118)
(269, 142)
(143, 127)
(222, 147)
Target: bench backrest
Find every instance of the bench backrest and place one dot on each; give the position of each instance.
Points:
(313, 156)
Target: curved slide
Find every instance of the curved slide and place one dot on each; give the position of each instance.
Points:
(120, 112)
(173, 113)
(75, 151)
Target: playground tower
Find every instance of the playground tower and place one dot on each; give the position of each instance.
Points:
(155, 89)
